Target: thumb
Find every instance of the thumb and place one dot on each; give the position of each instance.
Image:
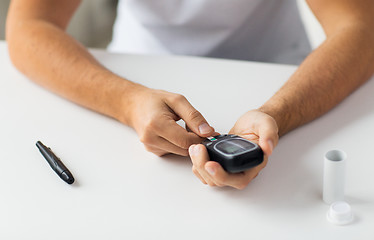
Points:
(268, 136)
(193, 118)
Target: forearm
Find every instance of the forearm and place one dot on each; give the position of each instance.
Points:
(47, 55)
(328, 75)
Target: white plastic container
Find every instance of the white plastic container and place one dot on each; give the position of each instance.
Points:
(334, 176)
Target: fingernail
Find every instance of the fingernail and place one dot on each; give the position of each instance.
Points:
(194, 149)
(204, 128)
(210, 170)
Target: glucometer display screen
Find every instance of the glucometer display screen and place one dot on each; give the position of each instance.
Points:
(234, 146)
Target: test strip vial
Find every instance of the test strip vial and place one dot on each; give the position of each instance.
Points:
(334, 176)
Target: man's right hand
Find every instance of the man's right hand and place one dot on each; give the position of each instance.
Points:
(41, 49)
(154, 113)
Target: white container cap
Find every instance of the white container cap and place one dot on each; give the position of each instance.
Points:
(340, 213)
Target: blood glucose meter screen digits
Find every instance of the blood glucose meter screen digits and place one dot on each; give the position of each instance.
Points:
(234, 146)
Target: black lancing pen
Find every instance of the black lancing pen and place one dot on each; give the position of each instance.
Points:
(55, 163)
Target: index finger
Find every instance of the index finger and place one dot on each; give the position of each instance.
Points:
(193, 118)
(176, 134)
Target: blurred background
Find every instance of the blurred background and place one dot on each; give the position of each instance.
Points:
(92, 24)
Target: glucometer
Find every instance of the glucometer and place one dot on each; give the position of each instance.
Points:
(234, 153)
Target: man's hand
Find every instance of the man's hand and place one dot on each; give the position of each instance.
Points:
(153, 114)
(255, 126)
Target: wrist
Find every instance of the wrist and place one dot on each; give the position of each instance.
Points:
(129, 95)
(115, 97)
(282, 118)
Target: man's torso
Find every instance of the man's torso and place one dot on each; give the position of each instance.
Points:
(258, 30)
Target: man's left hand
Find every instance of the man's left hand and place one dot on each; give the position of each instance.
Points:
(255, 126)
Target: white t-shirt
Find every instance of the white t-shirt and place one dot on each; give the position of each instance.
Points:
(257, 30)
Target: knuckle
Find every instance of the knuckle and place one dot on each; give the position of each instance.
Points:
(177, 98)
(219, 183)
(148, 148)
(145, 138)
(151, 125)
(212, 184)
(160, 154)
(242, 185)
(198, 165)
(221, 179)
(184, 143)
(184, 153)
(155, 151)
(194, 115)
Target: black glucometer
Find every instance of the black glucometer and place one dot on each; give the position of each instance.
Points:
(234, 153)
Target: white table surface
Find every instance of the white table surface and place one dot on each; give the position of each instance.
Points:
(124, 192)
